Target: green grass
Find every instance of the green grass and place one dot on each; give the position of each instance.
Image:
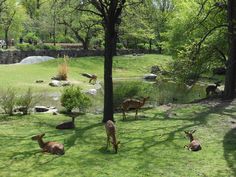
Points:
(24, 76)
(150, 146)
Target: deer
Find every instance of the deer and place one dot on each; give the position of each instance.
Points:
(111, 133)
(133, 103)
(50, 147)
(194, 144)
(67, 125)
(212, 88)
(92, 77)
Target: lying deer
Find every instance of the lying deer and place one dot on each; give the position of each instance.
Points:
(194, 144)
(111, 133)
(50, 147)
(133, 103)
(211, 89)
(92, 77)
(67, 125)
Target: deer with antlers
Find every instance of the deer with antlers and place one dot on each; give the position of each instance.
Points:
(133, 104)
(194, 144)
(50, 147)
(111, 133)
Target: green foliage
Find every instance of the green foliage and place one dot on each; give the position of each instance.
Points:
(65, 39)
(72, 98)
(134, 89)
(48, 47)
(26, 47)
(8, 100)
(31, 36)
(28, 100)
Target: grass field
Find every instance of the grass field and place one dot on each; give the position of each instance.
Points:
(150, 146)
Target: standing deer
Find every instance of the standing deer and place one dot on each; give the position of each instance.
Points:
(194, 144)
(133, 103)
(92, 77)
(50, 147)
(111, 133)
(212, 88)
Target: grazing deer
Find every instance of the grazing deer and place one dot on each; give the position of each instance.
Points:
(67, 125)
(212, 88)
(133, 103)
(50, 147)
(111, 133)
(92, 77)
(194, 144)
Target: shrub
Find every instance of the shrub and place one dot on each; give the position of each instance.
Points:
(8, 101)
(48, 47)
(65, 39)
(26, 47)
(124, 90)
(72, 98)
(63, 70)
(31, 36)
(27, 101)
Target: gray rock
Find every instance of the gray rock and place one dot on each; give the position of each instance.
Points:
(150, 76)
(41, 109)
(56, 83)
(35, 59)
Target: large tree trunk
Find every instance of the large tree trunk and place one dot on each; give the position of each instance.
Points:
(6, 38)
(230, 79)
(110, 45)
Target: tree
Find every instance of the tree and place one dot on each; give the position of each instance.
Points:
(230, 79)
(110, 12)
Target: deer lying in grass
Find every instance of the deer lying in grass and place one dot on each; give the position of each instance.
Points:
(194, 144)
(92, 77)
(50, 147)
(67, 125)
(111, 133)
(211, 89)
(133, 104)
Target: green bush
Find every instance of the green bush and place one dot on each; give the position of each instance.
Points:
(8, 100)
(27, 101)
(31, 36)
(65, 39)
(72, 98)
(134, 89)
(48, 47)
(143, 46)
(26, 47)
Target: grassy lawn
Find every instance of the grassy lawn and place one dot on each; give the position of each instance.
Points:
(24, 76)
(150, 146)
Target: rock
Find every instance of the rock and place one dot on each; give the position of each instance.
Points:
(35, 59)
(41, 109)
(56, 83)
(155, 69)
(150, 76)
(91, 91)
(39, 81)
(21, 109)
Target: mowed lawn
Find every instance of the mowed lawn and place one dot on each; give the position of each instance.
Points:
(128, 66)
(150, 146)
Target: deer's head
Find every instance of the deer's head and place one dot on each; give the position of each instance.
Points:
(189, 134)
(37, 137)
(115, 145)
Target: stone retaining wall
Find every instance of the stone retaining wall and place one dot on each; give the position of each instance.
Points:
(10, 57)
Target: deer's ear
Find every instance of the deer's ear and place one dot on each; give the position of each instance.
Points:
(193, 131)
(118, 142)
(42, 135)
(185, 132)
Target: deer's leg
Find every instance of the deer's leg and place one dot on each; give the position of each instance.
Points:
(108, 141)
(136, 114)
(90, 80)
(124, 114)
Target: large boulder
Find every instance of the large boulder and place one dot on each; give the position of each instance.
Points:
(35, 59)
(56, 83)
(150, 76)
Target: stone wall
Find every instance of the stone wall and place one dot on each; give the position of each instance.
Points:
(10, 57)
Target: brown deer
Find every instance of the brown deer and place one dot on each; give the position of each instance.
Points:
(50, 147)
(194, 144)
(133, 104)
(211, 89)
(92, 77)
(111, 133)
(67, 125)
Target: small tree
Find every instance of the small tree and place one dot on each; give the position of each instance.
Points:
(8, 101)
(27, 101)
(72, 98)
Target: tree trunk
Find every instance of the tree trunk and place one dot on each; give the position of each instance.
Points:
(6, 38)
(230, 79)
(150, 45)
(110, 45)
